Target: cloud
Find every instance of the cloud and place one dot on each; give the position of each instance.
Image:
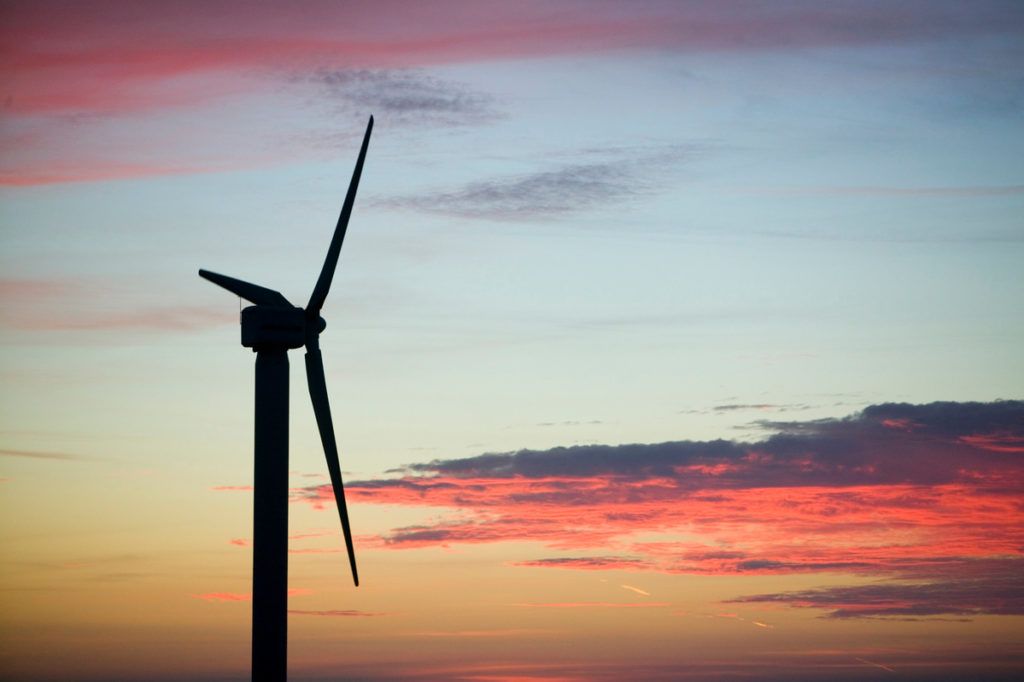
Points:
(75, 63)
(335, 613)
(82, 304)
(595, 605)
(23, 289)
(35, 454)
(593, 563)
(744, 407)
(508, 632)
(923, 493)
(313, 534)
(974, 191)
(243, 596)
(404, 96)
(42, 172)
(581, 185)
(997, 442)
(636, 589)
(862, 476)
(223, 596)
(570, 422)
(545, 193)
(949, 419)
(891, 444)
(179, 318)
(74, 82)
(998, 594)
(759, 406)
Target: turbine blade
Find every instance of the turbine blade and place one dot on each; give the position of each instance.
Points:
(323, 284)
(253, 293)
(322, 410)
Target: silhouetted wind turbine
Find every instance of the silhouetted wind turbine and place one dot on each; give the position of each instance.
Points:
(271, 327)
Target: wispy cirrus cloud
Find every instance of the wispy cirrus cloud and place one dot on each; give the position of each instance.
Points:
(223, 596)
(338, 613)
(404, 96)
(243, 596)
(747, 407)
(178, 318)
(737, 407)
(247, 542)
(972, 191)
(481, 634)
(592, 563)
(545, 193)
(73, 82)
(924, 492)
(56, 304)
(594, 605)
(37, 454)
(82, 56)
(585, 183)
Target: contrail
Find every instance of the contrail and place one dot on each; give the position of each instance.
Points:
(636, 589)
(877, 665)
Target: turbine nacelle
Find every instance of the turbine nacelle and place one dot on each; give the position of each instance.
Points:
(266, 327)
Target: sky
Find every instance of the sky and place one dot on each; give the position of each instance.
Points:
(669, 340)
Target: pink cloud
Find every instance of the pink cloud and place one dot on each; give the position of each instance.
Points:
(509, 632)
(595, 605)
(247, 596)
(223, 596)
(860, 495)
(80, 50)
(903, 424)
(334, 613)
(244, 542)
(996, 442)
(181, 318)
(14, 289)
(36, 304)
(50, 171)
(67, 67)
(594, 563)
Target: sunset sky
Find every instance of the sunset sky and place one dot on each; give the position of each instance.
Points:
(669, 340)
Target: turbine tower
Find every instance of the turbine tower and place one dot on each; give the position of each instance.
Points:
(271, 327)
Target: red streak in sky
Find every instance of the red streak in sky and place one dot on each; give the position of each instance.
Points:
(996, 442)
(599, 605)
(866, 497)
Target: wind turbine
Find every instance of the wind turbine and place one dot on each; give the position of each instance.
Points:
(271, 327)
